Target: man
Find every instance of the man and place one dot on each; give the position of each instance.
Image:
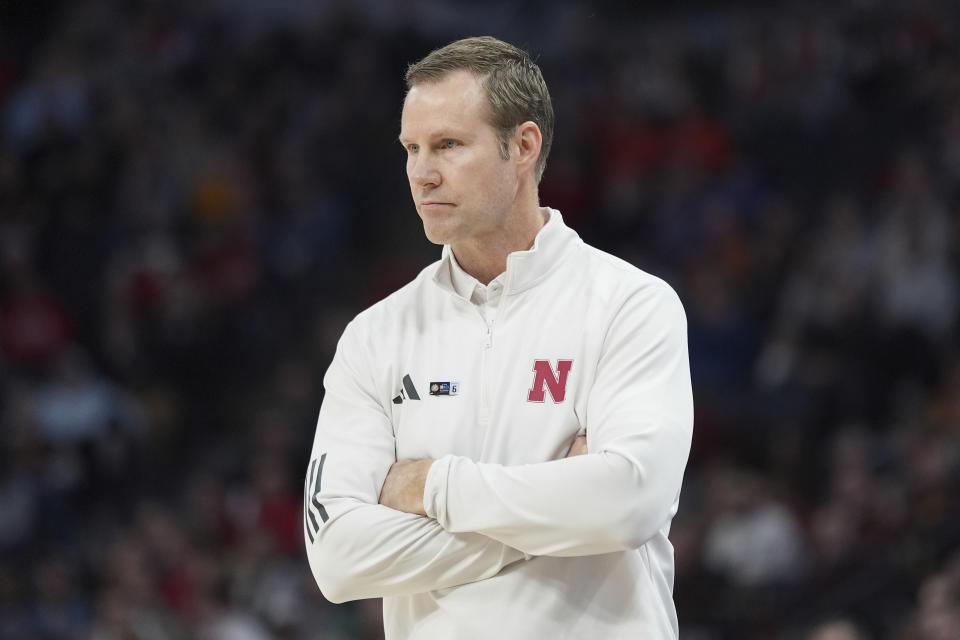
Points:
(501, 445)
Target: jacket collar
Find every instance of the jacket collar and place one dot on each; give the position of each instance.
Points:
(524, 268)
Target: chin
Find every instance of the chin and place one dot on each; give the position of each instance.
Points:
(435, 236)
(437, 232)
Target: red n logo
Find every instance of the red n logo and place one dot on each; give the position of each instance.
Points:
(544, 378)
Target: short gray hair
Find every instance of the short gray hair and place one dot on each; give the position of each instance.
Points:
(515, 88)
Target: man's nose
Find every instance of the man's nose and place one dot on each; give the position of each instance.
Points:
(423, 171)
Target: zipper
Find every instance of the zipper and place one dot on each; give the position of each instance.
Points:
(485, 392)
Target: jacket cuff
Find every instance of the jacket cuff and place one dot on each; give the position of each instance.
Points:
(435, 490)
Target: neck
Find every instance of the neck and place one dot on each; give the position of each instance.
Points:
(485, 258)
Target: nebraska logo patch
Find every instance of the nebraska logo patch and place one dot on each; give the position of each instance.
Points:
(545, 379)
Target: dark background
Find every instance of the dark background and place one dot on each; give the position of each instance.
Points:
(195, 197)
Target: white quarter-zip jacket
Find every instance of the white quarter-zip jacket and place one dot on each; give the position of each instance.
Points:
(519, 541)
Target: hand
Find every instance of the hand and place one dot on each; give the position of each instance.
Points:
(403, 487)
(579, 446)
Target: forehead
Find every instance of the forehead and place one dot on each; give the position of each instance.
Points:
(457, 100)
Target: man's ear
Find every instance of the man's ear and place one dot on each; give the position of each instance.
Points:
(527, 143)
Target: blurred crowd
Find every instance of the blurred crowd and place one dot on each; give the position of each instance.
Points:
(195, 197)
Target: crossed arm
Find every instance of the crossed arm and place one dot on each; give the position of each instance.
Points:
(374, 540)
(404, 485)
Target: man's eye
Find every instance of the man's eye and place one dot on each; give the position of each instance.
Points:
(449, 144)
(413, 148)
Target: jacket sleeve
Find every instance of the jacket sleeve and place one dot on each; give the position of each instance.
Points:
(639, 422)
(356, 547)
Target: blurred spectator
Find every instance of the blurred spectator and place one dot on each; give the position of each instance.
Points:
(18, 503)
(218, 620)
(75, 405)
(836, 630)
(129, 601)
(34, 327)
(61, 610)
(938, 614)
(753, 540)
(14, 618)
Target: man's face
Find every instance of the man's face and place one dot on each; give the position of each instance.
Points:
(462, 187)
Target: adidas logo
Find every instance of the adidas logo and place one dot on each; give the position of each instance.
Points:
(409, 392)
